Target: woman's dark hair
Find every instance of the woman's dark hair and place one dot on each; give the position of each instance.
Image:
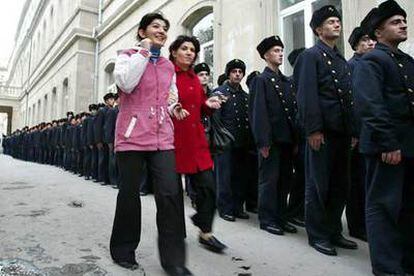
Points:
(147, 20)
(180, 40)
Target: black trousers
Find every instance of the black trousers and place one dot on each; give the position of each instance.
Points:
(205, 196)
(113, 174)
(275, 180)
(94, 162)
(355, 205)
(253, 180)
(327, 184)
(390, 215)
(232, 171)
(103, 164)
(87, 161)
(296, 204)
(168, 194)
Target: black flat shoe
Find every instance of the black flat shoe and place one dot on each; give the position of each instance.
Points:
(289, 228)
(143, 193)
(360, 236)
(297, 221)
(272, 229)
(128, 265)
(212, 244)
(252, 210)
(228, 217)
(242, 215)
(177, 271)
(344, 243)
(324, 247)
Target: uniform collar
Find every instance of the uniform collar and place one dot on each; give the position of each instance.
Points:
(269, 73)
(383, 47)
(328, 50)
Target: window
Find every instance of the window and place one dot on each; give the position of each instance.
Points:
(54, 103)
(39, 110)
(45, 107)
(65, 97)
(295, 16)
(109, 78)
(203, 30)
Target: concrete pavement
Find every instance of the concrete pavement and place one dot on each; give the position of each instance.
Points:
(55, 223)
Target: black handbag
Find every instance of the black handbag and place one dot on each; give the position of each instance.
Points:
(220, 138)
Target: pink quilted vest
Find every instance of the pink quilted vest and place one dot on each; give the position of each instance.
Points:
(143, 122)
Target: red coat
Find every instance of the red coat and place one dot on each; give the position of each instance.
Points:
(192, 153)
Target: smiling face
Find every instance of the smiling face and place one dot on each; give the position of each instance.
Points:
(393, 30)
(330, 28)
(185, 54)
(156, 32)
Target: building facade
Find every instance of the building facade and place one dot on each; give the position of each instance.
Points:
(65, 50)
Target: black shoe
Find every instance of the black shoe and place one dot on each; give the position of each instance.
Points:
(344, 243)
(143, 193)
(87, 178)
(228, 217)
(212, 244)
(324, 247)
(252, 210)
(128, 265)
(272, 229)
(177, 271)
(359, 235)
(242, 215)
(287, 227)
(297, 221)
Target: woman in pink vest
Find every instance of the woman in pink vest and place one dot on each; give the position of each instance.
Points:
(192, 153)
(145, 134)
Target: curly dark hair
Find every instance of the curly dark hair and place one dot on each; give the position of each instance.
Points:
(147, 20)
(180, 40)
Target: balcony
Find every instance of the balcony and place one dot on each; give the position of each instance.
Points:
(10, 92)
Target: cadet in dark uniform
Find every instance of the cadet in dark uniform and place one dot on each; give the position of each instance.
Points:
(384, 82)
(325, 103)
(99, 138)
(109, 139)
(296, 203)
(90, 140)
(361, 43)
(232, 165)
(252, 189)
(273, 125)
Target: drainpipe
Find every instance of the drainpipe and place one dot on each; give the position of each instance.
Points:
(97, 46)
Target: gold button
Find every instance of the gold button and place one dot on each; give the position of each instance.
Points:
(280, 94)
(324, 54)
(273, 79)
(329, 62)
(399, 64)
(277, 86)
(333, 72)
(335, 80)
(410, 90)
(339, 90)
(286, 109)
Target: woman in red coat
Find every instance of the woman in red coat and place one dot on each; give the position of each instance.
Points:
(192, 151)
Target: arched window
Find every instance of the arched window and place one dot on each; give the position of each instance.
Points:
(52, 24)
(54, 103)
(44, 39)
(45, 108)
(109, 78)
(203, 30)
(39, 111)
(65, 96)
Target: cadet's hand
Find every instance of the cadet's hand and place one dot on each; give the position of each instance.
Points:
(354, 142)
(213, 102)
(315, 140)
(392, 158)
(146, 43)
(265, 152)
(179, 112)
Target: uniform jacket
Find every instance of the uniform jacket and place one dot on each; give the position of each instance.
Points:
(234, 114)
(384, 83)
(90, 136)
(272, 109)
(109, 127)
(192, 151)
(324, 91)
(143, 122)
(99, 125)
